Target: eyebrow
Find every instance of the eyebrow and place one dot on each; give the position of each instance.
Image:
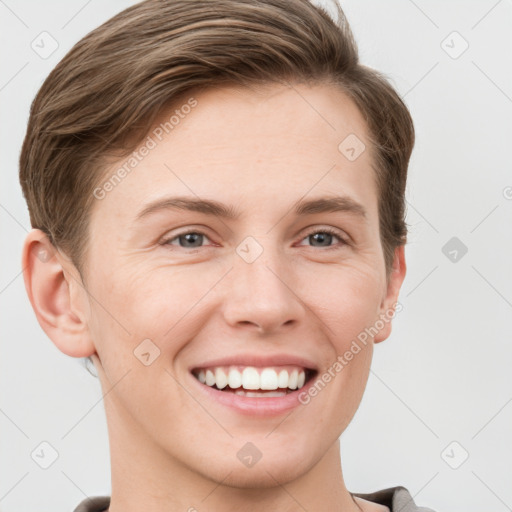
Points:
(211, 207)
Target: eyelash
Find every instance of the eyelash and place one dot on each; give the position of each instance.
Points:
(329, 231)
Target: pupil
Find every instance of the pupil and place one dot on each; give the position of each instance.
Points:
(323, 237)
(189, 237)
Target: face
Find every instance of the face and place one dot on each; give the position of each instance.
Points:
(252, 267)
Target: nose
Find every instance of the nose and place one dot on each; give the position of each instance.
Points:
(261, 295)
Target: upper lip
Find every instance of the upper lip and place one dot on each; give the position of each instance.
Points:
(258, 360)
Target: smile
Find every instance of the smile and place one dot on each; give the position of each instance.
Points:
(252, 384)
(253, 381)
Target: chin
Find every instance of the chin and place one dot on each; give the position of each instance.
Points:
(269, 471)
(261, 477)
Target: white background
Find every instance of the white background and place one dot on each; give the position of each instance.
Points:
(444, 375)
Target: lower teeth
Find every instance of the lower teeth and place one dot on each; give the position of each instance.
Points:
(264, 393)
(243, 392)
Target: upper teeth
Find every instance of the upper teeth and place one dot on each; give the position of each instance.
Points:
(251, 378)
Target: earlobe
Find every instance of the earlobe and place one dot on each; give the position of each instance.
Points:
(388, 310)
(48, 283)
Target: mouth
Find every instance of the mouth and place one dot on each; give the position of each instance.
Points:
(255, 382)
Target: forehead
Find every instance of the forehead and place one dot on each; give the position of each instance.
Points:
(277, 143)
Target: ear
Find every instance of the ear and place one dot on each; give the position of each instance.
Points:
(55, 290)
(389, 307)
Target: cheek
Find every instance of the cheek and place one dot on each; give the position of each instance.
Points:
(153, 304)
(345, 298)
(136, 304)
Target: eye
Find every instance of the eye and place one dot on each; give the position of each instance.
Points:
(188, 240)
(324, 238)
(321, 237)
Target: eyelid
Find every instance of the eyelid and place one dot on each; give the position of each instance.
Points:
(344, 238)
(167, 238)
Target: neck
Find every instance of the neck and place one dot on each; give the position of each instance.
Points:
(146, 477)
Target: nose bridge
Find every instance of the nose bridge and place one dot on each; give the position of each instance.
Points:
(261, 291)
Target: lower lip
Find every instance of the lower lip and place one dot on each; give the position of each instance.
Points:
(256, 406)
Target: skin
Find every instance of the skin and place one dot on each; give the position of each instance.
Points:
(172, 449)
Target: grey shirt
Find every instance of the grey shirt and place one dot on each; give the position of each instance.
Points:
(397, 499)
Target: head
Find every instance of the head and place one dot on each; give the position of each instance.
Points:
(260, 118)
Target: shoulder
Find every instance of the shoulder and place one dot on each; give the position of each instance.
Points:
(93, 504)
(394, 498)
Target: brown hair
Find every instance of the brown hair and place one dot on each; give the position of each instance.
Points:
(104, 95)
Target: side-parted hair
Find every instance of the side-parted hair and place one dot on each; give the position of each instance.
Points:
(105, 94)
